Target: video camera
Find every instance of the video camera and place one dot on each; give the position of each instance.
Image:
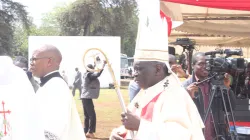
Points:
(221, 97)
(186, 43)
(188, 46)
(225, 64)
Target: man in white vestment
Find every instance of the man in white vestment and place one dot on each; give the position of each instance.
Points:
(163, 110)
(19, 119)
(60, 118)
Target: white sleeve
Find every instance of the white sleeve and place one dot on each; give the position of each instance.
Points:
(162, 131)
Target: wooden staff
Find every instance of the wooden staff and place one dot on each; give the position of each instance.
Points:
(117, 87)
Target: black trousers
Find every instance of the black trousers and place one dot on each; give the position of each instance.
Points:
(89, 116)
(74, 90)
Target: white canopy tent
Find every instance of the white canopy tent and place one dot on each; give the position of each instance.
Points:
(208, 21)
(211, 28)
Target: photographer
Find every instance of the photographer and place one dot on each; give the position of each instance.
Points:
(90, 91)
(201, 93)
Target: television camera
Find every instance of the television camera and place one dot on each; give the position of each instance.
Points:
(236, 67)
(220, 94)
(188, 47)
(225, 64)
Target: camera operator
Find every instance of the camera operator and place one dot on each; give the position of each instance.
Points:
(201, 93)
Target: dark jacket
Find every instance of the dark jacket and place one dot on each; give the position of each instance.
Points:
(91, 85)
(78, 79)
(217, 102)
(32, 81)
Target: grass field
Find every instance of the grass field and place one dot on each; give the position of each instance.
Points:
(108, 111)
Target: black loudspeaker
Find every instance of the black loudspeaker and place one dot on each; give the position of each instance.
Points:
(171, 50)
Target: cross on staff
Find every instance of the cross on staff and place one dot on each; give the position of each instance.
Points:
(94, 55)
(4, 116)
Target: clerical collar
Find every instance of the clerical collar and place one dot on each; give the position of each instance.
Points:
(48, 76)
(51, 73)
(151, 92)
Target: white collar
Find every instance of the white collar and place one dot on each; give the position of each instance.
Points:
(152, 92)
(51, 73)
(158, 88)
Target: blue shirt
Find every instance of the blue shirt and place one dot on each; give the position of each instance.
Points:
(133, 89)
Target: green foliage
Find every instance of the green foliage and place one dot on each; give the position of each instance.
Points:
(11, 13)
(49, 27)
(21, 37)
(86, 18)
(102, 18)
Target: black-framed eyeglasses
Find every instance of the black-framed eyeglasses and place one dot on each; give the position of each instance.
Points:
(34, 59)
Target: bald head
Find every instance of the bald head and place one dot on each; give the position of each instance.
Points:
(45, 60)
(51, 51)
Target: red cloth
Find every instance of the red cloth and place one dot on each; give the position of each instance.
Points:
(169, 21)
(147, 111)
(245, 124)
(209, 126)
(221, 4)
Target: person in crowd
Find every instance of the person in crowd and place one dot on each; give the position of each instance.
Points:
(201, 93)
(77, 82)
(19, 117)
(90, 91)
(60, 118)
(163, 109)
(22, 63)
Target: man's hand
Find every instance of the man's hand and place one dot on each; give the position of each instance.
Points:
(116, 135)
(104, 63)
(130, 121)
(174, 68)
(227, 81)
(179, 71)
(192, 89)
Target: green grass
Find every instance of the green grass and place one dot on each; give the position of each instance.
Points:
(108, 111)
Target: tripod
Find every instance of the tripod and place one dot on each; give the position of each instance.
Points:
(189, 54)
(218, 90)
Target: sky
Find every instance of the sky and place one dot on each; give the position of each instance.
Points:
(37, 8)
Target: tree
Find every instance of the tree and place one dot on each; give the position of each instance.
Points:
(11, 13)
(21, 37)
(49, 27)
(102, 18)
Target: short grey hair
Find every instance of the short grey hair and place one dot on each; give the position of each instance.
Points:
(172, 58)
(22, 60)
(194, 59)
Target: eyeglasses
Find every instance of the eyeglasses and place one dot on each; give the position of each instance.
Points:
(201, 64)
(34, 59)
